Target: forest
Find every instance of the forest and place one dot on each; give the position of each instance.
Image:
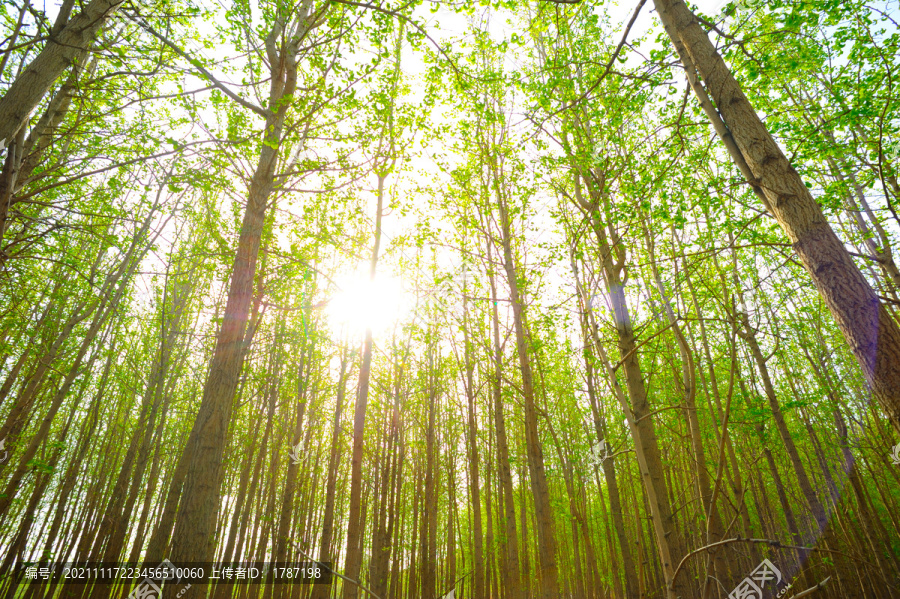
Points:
(449, 299)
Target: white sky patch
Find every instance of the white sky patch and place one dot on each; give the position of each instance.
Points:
(255, 15)
(360, 303)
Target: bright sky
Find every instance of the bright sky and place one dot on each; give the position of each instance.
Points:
(358, 302)
(448, 25)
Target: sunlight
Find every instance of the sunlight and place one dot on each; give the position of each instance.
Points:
(359, 303)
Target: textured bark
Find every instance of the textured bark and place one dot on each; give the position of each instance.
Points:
(62, 50)
(871, 333)
(194, 533)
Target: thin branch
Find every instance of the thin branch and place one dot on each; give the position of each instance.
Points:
(263, 112)
(812, 590)
(341, 576)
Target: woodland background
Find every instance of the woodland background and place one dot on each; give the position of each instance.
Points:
(503, 298)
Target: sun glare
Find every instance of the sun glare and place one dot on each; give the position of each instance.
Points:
(360, 303)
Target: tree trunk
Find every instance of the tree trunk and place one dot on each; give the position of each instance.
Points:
(474, 483)
(871, 333)
(818, 510)
(194, 534)
(62, 50)
(549, 579)
(355, 528)
(715, 528)
(511, 573)
(325, 543)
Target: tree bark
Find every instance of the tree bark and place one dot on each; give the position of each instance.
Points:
(62, 50)
(511, 573)
(871, 333)
(194, 533)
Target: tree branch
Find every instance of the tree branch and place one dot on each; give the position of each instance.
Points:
(196, 64)
(341, 576)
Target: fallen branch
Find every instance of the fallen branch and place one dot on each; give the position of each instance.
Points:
(341, 576)
(812, 590)
(770, 542)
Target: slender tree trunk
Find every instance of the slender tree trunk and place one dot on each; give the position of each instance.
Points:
(549, 578)
(325, 543)
(669, 540)
(818, 510)
(511, 573)
(715, 528)
(355, 527)
(474, 483)
(428, 540)
(304, 380)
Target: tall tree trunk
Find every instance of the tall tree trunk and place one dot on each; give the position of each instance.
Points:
(818, 510)
(355, 527)
(715, 529)
(124, 496)
(325, 543)
(511, 573)
(286, 514)
(474, 483)
(871, 333)
(669, 540)
(193, 539)
(428, 533)
(549, 577)
(65, 48)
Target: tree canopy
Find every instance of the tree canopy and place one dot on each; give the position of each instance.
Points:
(512, 299)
